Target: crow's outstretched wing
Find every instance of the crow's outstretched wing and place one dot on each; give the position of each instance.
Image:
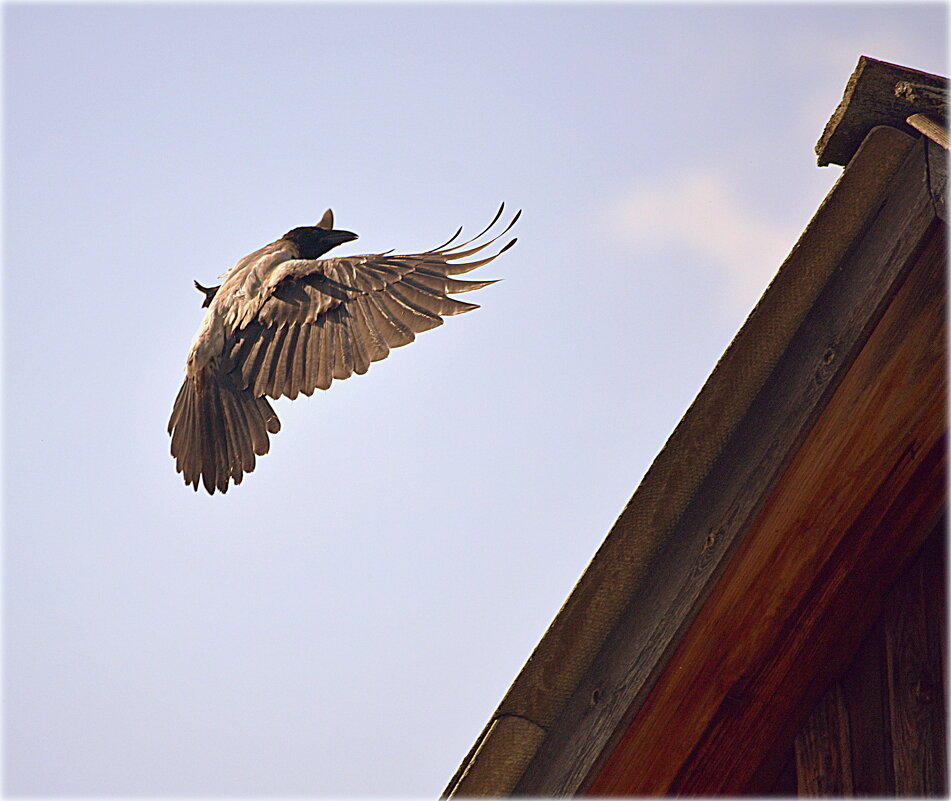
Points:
(288, 325)
(333, 317)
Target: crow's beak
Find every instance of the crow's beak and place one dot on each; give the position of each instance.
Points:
(339, 237)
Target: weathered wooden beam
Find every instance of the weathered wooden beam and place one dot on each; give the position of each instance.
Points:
(502, 752)
(795, 601)
(870, 99)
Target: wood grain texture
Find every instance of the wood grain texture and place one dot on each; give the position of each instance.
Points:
(824, 749)
(845, 747)
(937, 162)
(866, 703)
(501, 755)
(869, 100)
(854, 504)
(916, 672)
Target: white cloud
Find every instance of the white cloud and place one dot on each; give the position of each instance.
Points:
(703, 211)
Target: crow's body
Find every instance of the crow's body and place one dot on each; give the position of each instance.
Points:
(285, 321)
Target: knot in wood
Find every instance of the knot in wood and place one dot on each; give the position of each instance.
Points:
(824, 370)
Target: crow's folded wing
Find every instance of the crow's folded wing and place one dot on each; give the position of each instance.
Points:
(330, 318)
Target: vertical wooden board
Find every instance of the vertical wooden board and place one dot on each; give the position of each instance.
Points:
(864, 692)
(936, 596)
(823, 749)
(915, 674)
(936, 159)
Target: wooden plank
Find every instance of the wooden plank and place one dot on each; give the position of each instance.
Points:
(913, 647)
(824, 749)
(870, 99)
(703, 539)
(937, 163)
(864, 692)
(855, 503)
(858, 705)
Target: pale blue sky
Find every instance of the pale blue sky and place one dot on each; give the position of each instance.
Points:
(345, 621)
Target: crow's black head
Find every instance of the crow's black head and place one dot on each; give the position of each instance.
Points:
(313, 242)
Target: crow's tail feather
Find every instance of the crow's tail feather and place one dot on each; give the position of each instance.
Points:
(217, 429)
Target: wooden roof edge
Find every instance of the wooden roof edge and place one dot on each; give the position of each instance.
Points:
(656, 561)
(697, 548)
(880, 93)
(862, 483)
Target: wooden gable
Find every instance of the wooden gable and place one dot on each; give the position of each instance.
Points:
(708, 647)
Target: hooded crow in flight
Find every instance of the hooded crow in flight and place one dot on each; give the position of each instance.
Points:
(285, 321)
